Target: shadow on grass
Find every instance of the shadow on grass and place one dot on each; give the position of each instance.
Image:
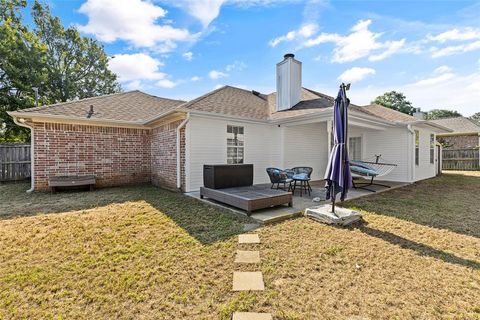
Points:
(446, 202)
(420, 248)
(207, 224)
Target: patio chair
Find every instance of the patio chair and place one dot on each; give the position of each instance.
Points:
(278, 176)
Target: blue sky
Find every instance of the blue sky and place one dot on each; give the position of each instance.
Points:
(430, 50)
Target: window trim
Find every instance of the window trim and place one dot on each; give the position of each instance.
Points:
(432, 148)
(417, 147)
(237, 146)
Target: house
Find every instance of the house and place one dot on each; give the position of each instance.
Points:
(465, 133)
(133, 137)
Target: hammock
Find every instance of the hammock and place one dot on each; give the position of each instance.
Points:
(370, 169)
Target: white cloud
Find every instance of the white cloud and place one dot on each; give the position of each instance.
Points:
(133, 85)
(218, 86)
(236, 66)
(361, 42)
(188, 56)
(391, 48)
(195, 78)
(458, 92)
(206, 11)
(165, 83)
(456, 35)
(442, 69)
(137, 66)
(134, 21)
(305, 31)
(215, 74)
(451, 50)
(356, 74)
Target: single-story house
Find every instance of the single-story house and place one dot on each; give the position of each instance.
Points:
(465, 133)
(134, 137)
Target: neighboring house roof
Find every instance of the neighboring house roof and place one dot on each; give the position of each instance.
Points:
(459, 125)
(140, 108)
(132, 106)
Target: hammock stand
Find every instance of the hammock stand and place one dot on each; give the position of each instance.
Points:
(380, 169)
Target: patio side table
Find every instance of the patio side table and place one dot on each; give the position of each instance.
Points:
(304, 184)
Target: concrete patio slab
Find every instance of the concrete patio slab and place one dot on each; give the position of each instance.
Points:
(251, 316)
(280, 213)
(248, 238)
(248, 281)
(247, 256)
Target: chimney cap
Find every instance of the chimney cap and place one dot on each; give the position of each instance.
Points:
(289, 55)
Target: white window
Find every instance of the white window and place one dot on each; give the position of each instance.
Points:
(432, 148)
(235, 144)
(417, 147)
(355, 148)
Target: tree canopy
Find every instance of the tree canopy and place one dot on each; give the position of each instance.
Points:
(396, 101)
(58, 61)
(475, 117)
(441, 114)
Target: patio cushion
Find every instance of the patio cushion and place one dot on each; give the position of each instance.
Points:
(361, 165)
(365, 171)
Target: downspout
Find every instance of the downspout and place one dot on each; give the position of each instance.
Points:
(410, 156)
(22, 123)
(179, 162)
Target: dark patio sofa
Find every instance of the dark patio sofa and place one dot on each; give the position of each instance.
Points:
(233, 185)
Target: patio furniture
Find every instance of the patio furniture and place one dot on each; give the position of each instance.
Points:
(71, 181)
(233, 185)
(302, 175)
(278, 176)
(372, 170)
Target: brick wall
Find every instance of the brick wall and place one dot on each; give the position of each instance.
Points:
(459, 142)
(116, 156)
(164, 155)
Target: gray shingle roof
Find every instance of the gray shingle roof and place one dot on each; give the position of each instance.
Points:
(139, 107)
(132, 106)
(459, 125)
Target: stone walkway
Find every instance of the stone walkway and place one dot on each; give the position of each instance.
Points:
(248, 281)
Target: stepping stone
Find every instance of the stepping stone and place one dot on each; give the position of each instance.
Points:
(251, 316)
(248, 281)
(248, 238)
(247, 256)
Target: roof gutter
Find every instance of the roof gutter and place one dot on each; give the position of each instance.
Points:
(179, 149)
(22, 123)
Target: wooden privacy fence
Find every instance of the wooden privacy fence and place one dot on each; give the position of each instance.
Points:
(460, 159)
(14, 162)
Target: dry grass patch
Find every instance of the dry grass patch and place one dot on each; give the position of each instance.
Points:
(164, 257)
(147, 253)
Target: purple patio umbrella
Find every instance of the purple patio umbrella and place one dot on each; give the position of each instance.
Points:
(337, 175)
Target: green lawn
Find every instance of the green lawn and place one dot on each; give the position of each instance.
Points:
(142, 252)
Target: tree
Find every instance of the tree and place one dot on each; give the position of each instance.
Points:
(21, 68)
(396, 101)
(441, 114)
(58, 61)
(476, 117)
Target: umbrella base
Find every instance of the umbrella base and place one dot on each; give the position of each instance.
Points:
(342, 216)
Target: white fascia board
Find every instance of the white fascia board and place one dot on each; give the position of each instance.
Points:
(75, 120)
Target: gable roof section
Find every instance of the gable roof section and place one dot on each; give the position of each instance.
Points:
(132, 106)
(459, 125)
(231, 101)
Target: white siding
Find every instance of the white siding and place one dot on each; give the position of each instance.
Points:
(306, 145)
(425, 169)
(206, 143)
(391, 144)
